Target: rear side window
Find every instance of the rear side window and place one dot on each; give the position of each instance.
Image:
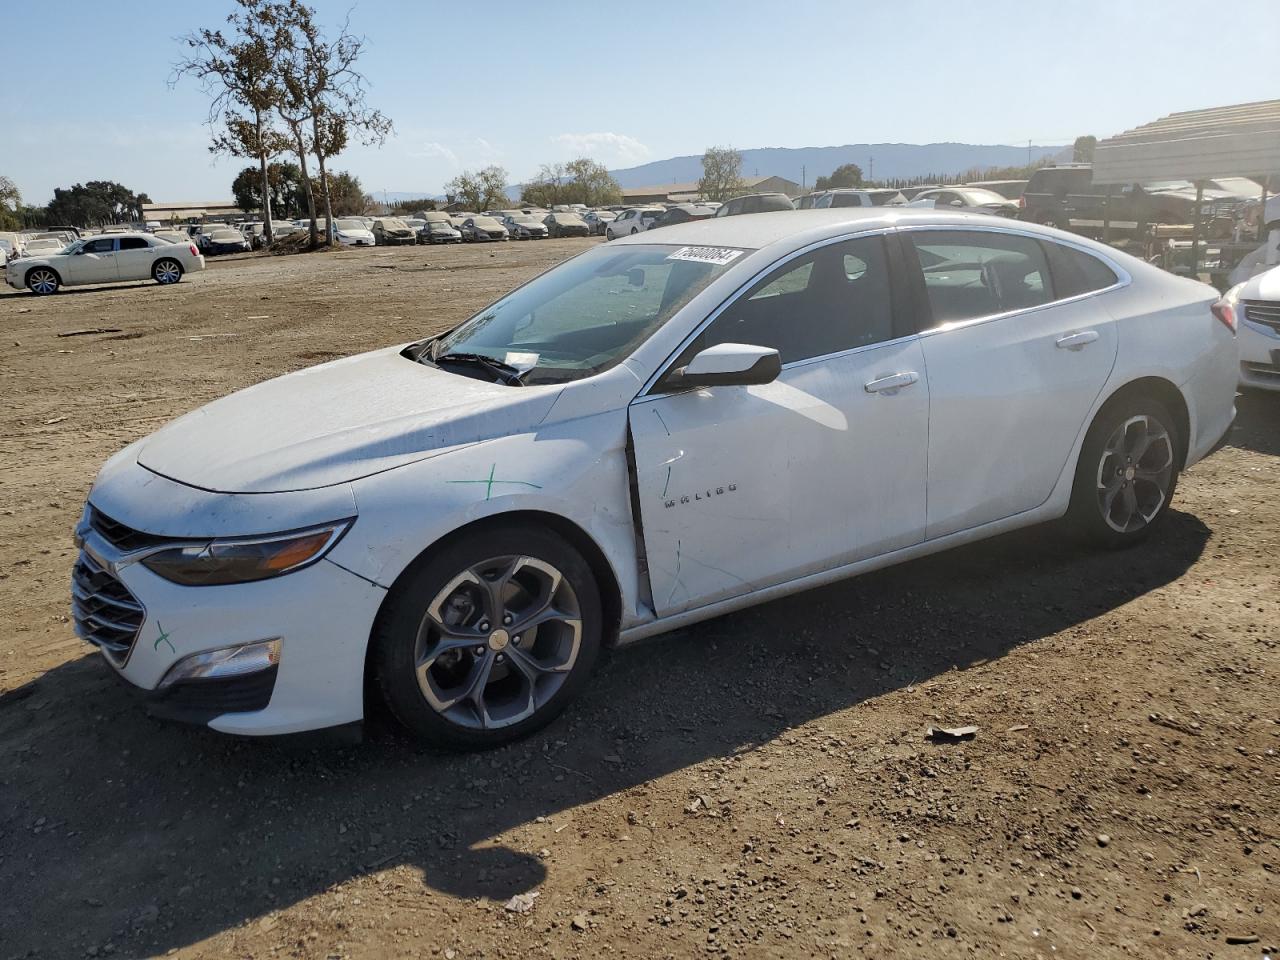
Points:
(1076, 272)
(833, 299)
(970, 274)
(133, 243)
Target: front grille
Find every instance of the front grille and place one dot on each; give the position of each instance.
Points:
(1264, 313)
(122, 536)
(106, 613)
(495, 234)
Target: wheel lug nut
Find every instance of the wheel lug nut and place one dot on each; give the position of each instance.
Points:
(501, 658)
(507, 618)
(484, 624)
(479, 651)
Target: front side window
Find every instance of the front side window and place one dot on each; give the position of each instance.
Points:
(970, 274)
(102, 245)
(832, 299)
(589, 313)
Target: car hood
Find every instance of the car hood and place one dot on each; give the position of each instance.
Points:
(337, 422)
(1265, 286)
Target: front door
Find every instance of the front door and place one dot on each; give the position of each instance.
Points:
(744, 487)
(1012, 374)
(95, 263)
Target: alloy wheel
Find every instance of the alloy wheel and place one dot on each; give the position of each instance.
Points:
(497, 642)
(167, 272)
(43, 281)
(1135, 473)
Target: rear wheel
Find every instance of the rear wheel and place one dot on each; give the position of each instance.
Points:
(488, 639)
(1127, 473)
(43, 281)
(167, 271)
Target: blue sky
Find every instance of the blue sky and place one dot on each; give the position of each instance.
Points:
(520, 83)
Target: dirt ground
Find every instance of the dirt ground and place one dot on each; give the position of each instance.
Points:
(758, 786)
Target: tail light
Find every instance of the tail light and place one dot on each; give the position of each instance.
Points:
(1225, 311)
(194, 251)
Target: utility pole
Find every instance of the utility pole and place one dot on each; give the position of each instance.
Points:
(871, 168)
(803, 172)
(1028, 152)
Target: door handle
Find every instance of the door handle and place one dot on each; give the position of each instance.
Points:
(891, 383)
(1077, 341)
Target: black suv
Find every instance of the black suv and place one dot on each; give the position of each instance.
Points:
(1060, 195)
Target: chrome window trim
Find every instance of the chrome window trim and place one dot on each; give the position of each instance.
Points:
(645, 392)
(1123, 275)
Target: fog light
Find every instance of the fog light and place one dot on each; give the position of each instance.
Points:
(227, 662)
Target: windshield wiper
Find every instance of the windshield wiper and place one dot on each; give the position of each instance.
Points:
(503, 371)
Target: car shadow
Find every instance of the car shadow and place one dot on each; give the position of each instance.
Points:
(153, 836)
(1257, 425)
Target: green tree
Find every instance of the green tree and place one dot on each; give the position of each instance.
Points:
(10, 205)
(1082, 149)
(844, 176)
(721, 174)
(239, 70)
(479, 190)
(346, 195)
(285, 197)
(579, 181)
(95, 203)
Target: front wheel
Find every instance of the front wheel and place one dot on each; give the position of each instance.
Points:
(167, 271)
(488, 639)
(1127, 473)
(42, 281)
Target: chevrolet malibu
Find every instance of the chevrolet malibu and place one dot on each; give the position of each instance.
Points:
(106, 259)
(643, 437)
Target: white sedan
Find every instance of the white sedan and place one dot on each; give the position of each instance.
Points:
(1255, 305)
(645, 436)
(105, 259)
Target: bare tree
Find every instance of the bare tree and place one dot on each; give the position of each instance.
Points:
(239, 71)
(324, 97)
(721, 174)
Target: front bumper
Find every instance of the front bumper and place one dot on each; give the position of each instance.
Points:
(1259, 356)
(322, 615)
(399, 241)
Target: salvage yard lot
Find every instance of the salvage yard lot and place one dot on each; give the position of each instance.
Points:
(758, 786)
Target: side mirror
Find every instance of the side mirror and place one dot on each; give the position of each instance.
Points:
(726, 365)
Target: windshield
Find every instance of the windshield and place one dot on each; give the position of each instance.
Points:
(349, 224)
(589, 313)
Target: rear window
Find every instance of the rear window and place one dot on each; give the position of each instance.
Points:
(1076, 272)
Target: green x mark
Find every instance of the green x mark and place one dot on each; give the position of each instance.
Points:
(489, 481)
(163, 638)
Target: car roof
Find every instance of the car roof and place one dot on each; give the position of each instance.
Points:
(800, 227)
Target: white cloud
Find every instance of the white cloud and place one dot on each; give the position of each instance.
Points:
(611, 149)
(433, 151)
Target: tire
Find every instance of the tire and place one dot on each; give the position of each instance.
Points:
(166, 271)
(43, 281)
(1129, 461)
(479, 686)
(634, 231)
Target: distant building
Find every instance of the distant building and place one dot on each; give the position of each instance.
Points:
(200, 210)
(686, 192)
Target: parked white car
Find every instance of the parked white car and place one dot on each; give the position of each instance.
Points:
(1255, 306)
(105, 259)
(42, 247)
(352, 232)
(635, 220)
(645, 436)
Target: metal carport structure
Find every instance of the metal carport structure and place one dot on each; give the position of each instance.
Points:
(1196, 145)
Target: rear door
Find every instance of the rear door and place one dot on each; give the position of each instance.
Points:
(743, 487)
(95, 263)
(1014, 370)
(133, 258)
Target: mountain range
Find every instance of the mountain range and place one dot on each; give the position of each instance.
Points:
(881, 161)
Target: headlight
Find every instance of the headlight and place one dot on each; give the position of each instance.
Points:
(242, 560)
